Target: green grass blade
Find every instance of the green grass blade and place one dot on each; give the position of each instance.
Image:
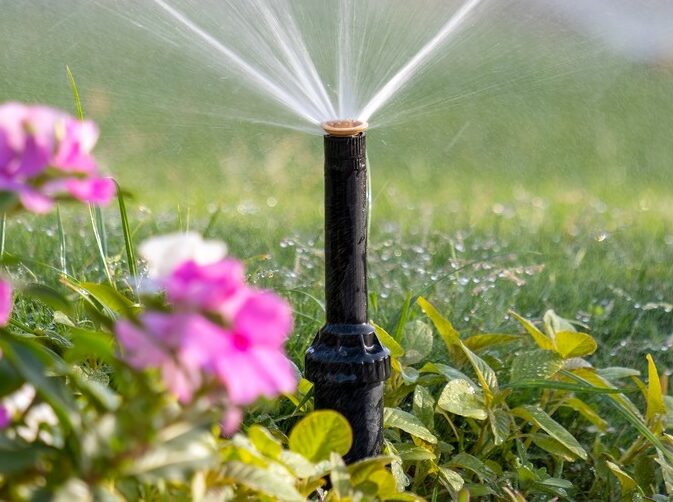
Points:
(126, 230)
(3, 233)
(63, 254)
(96, 219)
(75, 93)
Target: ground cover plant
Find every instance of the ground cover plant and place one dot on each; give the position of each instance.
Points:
(528, 414)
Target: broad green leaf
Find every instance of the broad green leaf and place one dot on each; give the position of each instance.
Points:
(49, 296)
(339, 477)
(386, 486)
(553, 324)
(446, 330)
(32, 361)
(446, 371)
(88, 344)
(319, 434)
(398, 419)
(617, 373)
(461, 398)
(389, 342)
(572, 344)
(587, 412)
(655, 398)
(412, 453)
(264, 441)
(485, 374)
(471, 463)
(551, 445)
(110, 298)
(265, 481)
(417, 342)
(361, 470)
(424, 406)
(501, 424)
(542, 340)
(451, 479)
(535, 365)
(486, 341)
(627, 483)
(590, 376)
(538, 417)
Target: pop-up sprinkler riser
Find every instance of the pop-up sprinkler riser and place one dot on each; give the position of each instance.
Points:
(346, 362)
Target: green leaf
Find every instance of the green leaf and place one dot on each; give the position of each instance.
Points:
(551, 445)
(572, 344)
(268, 482)
(501, 424)
(542, 340)
(110, 298)
(445, 329)
(89, 344)
(412, 453)
(49, 296)
(655, 398)
(264, 441)
(487, 341)
(319, 434)
(398, 419)
(389, 342)
(554, 324)
(446, 371)
(424, 406)
(451, 479)
(587, 412)
(471, 463)
(461, 398)
(417, 342)
(535, 365)
(32, 361)
(339, 477)
(627, 483)
(617, 373)
(538, 417)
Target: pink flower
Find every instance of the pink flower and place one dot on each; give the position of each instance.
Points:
(219, 331)
(219, 287)
(6, 302)
(5, 419)
(44, 154)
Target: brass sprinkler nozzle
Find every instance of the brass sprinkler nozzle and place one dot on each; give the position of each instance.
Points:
(345, 128)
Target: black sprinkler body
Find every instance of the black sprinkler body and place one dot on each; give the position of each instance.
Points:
(346, 362)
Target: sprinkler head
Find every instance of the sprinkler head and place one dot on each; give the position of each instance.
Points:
(344, 128)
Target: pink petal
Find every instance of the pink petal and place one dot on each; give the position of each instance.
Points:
(265, 319)
(5, 419)
(94, 190)
(241, 375)
(35, 202)
(231, 421)
(141, 348)
(73, 153)
(277, 369)
(6, 302)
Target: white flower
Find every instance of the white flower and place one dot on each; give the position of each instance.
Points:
(18, 402)
(164, 253)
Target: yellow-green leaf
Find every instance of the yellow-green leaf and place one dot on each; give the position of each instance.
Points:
(391, 344)
(319, 434)
(587, 412)
(627, 482)
(655, 398)
(398, 419)
(461, 398)
(539, 417)
(542, 340)
(446, 330)
(265, 443)
(572, 344)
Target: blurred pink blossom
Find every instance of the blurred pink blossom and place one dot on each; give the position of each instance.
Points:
(219, 332)
(6, 302)
(45, 154)
(5, 419)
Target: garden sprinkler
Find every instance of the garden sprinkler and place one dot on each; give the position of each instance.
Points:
(346, 362)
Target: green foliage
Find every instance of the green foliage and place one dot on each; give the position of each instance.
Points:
(526, 418)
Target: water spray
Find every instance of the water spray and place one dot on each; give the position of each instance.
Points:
(346, 362)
